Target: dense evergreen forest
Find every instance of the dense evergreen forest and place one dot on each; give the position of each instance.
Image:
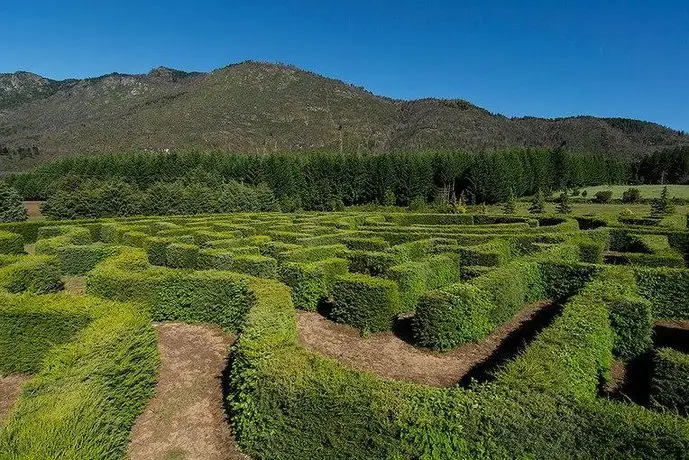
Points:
(165, 183)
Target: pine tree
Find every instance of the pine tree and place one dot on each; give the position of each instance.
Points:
(11, 207)
(538, 203)
(662, 206)
(510, 206)
(563, 205)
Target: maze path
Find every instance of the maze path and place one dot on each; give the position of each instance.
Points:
(186, 420)
(389, 356)
(10, 389)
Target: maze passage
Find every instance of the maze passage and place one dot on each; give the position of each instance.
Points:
(540, 315)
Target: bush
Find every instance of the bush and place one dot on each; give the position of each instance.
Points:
(310, 283)
(371, 263)
(11, 243)
(631, 195)
(452, 316)
(631, 321)
(376, 244)
(156, 248)
(669, 389)
(11, 207)
(365, 302)
(414, 278)
(181, 255)
(492, 254)
(35, 274)
(603, 196)
(256, 265)
(77, 260)
(667, 289)
(311, 254)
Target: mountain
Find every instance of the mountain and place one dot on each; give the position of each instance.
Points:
(260, 107)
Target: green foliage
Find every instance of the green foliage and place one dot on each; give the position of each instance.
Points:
(35, 274)
(414, 278)
(312, 282)
(11, 207)
(79, 259)
(365, 302)
(670, 374)
(11, 243)
(88, 392)
(491, 254)
(631, 321)
(662, 207)
(667, 289)
(181, 255)
(603, 196)
(631, 195)
(452, 316)
(563, 205)
(510, 206)
(365, 244)
(256, 265)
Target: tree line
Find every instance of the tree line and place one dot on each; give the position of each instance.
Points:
(320, 181)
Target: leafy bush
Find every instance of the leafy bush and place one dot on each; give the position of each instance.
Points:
(631, 195)
(452, 316)
(494, 253)
(310, 283)
(370, 262)
(79, 259)
(631, 321)
(11, 243)
(256, 265)
(181, 255)
(35, 274)
(670, 374)
(11, 207)
(603, 196)
(667, 289)
(414, 278)
(365, 302)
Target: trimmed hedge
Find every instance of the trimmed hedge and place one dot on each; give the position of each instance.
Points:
(669, 388)
(371, 263)
(256, 265)
(181, 255)
(454, 315)
(375, 244)
(365, 302)
(311, 283)
(631, 321)
(35, 274)
(77, 260)
(667, 289)
(88, 393)
(414, 278)
(491, 254)
(11, 243)
(311, 254)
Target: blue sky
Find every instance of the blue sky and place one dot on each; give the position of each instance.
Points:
(542, 58)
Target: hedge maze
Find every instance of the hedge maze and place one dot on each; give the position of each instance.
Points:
(94, 360)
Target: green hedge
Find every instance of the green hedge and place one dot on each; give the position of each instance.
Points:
(176, 295)
(35, 274)
(669, 388)
(88, 393)
(311, 283)
(631, 320)
(376, 244)
(491, 254)
(371, 263)
(667, 289)
(275, 248)
(216, 259)
(70, 236)
(11, 243)
(256, 265)
(77, 260)
(414, 278)
(451, 316)
(182, 255)
(365, 302)
(311, 254)
(156, 248)
(31, 325)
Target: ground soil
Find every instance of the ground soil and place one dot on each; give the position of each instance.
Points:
(390, 356)
(75, 284)
(10, 389)
(186, 418)
(33, 208)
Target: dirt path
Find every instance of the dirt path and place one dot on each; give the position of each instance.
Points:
(186, 418)
(10, 389)
(389, 356)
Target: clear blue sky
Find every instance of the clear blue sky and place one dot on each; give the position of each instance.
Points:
(538, 57)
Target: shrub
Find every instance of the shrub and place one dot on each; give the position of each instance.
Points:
(371, 263)
(414, 278)
(603, 196)
(452, 316)
(311, 254)
(310, 283)
(631, 321)
(631, 195)
(538, 203)
(216, 259)
(563, 205)
(494, 253)
(35, 274)
(11, 243)
(77, 260)
(365, 302)
(181, 255)
(667, 289)
(670, 374)
(366, 244)
(11, 207)
(156, 248)
(256, 265)
(662, 207)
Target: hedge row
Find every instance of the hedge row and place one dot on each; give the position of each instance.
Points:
(11, 243)
(79, 259)
(667, 289)
(34, 274)
(178, 295)
(88, 391)
(491, 254)
(414, 278)
(365, 302)
(670, 375)
(312, 282)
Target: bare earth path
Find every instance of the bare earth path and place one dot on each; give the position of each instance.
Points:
(10, 389)
(186, 419)
(389, 356)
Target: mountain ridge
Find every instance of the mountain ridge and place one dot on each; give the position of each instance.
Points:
(258, 107)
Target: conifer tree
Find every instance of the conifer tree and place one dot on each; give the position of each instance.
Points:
(563, 205)
(11, 207)
(538, 203)
(510, 206)
(661, 207)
